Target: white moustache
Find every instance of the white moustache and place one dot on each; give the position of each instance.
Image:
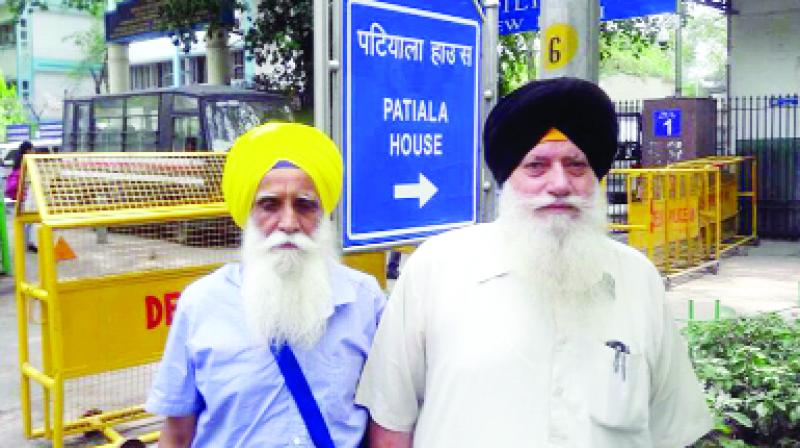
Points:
(545, 200)
(278, 238)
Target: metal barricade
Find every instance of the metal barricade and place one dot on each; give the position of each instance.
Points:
(120, 236)
(737, 198)
(685, 216)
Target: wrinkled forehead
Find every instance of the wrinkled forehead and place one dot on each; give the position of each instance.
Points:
(287, 181)
(556, 150)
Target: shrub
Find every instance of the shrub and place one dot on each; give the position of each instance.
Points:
(751, 371)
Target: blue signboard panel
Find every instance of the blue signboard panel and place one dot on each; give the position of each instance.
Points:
(625, 9)
(667, 122)
(523, 15)
(18, 132)
(411, 121)
(50, 129)
(787, 101)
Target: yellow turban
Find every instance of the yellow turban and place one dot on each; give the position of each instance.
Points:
(259, 149)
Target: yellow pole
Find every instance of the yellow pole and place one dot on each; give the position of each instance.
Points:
(47, 275)
(665, 192)
(22, 324)
(686, 182)
(718, 184)
(651, 250)
(754, 198)
(707, 194)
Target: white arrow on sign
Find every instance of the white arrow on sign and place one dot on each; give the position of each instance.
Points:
(424, 190)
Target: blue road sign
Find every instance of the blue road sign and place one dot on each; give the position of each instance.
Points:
(667, 122)
(786, 101)
(523, 15)
(411, 121)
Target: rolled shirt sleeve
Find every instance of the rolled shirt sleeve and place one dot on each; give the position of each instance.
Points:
(393, 382)
(174, 392)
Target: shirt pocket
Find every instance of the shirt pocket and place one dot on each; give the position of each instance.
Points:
(618, 388)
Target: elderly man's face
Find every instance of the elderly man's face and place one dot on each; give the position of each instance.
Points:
(557, 169)
(286, 200)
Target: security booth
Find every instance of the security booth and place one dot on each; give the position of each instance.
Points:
(187, 118)
(120, 236)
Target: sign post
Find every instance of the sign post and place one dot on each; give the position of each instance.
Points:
(411, 120)
(570, 30)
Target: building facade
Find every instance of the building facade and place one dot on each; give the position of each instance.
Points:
(38, 55)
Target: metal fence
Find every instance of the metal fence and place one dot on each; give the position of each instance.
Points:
(629, 155)
(765, 127)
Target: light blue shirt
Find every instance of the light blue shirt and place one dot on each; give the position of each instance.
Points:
(212, 369)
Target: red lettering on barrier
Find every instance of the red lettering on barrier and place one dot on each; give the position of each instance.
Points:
(158, 311)
(170, 300)
(154, 311)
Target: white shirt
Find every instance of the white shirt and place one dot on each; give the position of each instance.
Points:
(466, 356)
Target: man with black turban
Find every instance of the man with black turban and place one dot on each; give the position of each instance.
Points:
(536, 330)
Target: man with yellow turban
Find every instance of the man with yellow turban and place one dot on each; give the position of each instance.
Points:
(267, 352)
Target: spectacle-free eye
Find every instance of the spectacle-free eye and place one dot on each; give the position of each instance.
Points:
(306, 205)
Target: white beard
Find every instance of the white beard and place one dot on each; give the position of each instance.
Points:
(561, 256)
(287, 292)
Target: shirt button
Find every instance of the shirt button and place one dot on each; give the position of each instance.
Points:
(296, 440)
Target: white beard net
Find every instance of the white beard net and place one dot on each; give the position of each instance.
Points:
(287, 292)
(560, 256)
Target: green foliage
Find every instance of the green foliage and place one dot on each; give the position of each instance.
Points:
(515, 58)
(93, 7)
(704, 48)
(11, 111)
(181, 18)
(282, 37)
(92, 46)
(623, 52)
(751, 369)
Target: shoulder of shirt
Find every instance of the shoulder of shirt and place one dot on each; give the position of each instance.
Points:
(208, 287)
(632, 258)
(357, 279)
(470, 237)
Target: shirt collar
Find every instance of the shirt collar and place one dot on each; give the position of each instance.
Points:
(342, 290)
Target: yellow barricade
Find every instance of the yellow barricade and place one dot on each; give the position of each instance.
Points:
(685, 216)
(120, 236)
(733, 171)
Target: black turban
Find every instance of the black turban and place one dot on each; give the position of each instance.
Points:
(578, 108)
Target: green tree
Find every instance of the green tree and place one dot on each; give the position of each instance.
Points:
(11, 110)
(704, 50)
(181, 18)
(282, 37)
(627, 51)
(92, 45)
(516, 54)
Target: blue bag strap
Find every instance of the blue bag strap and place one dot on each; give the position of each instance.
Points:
(301, 392)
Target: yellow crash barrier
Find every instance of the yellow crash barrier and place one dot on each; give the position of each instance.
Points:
(120, 236)
(685, 216)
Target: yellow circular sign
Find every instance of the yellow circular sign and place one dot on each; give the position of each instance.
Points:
(560, 45)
